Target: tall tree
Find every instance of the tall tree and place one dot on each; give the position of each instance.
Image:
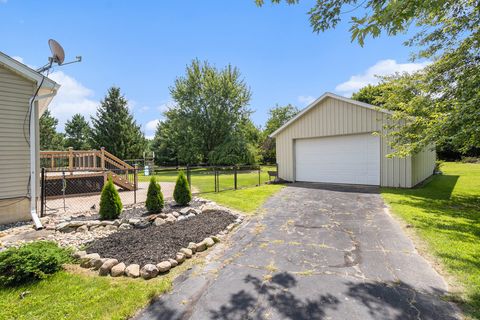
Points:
(278, 116)
(210, 119)
(445, 101)
(115, 129)
(50, 139)
(78, 133)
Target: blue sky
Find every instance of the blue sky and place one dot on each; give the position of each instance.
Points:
(142, 46)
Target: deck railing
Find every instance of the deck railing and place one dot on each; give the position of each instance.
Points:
(72, 160)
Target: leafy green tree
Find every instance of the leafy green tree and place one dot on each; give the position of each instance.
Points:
(115, 129)
(371, 94)
(278, 116)
(110, 202)
(210, 111)
(182, 193)
(78, 133)
(154, 202)
(173, 143)
(445, 101)
(50, 139)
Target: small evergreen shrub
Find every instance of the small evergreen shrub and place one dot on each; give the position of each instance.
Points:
(32, 261)
(110, 203)
(154, 202)
(182, 193)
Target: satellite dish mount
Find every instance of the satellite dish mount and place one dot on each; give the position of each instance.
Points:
(58, 56)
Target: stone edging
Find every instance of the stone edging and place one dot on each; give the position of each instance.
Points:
(115, 268)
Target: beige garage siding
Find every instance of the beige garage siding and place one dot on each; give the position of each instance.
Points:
(423, 164)
(337, 117)
(15, 92)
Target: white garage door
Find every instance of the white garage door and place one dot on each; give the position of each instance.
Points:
(352, 159)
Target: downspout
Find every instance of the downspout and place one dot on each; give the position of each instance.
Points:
(33, 163)
(34, 113)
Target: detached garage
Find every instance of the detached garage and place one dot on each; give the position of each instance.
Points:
(339, 140)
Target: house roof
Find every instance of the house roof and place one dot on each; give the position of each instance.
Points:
(48, 87)
(323, 97)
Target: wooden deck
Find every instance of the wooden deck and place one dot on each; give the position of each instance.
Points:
(88, 165)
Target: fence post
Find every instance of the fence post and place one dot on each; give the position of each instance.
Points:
(259, 174)
(215, 173)
(276, 177)
(235, 177)
(70, 159)
(189, 178)
(135, 182)
(42, 193)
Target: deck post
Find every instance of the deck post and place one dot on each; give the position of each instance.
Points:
(70, 159)
(95, 159)
(102, 157)
(52, 162)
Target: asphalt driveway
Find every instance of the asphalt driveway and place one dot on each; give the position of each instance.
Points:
(314, 252)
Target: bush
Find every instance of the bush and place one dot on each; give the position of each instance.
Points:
(110, 203)
(182, 193)
(154, 201)
(32, 261)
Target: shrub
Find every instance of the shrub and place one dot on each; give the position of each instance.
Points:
(32, 261)
(154, 201)
(110, 203)
(182, 193)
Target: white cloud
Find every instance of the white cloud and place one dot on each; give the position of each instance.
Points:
(152, 125)
(306, 100)
(165, 106)
(381, 68)
(72, 97)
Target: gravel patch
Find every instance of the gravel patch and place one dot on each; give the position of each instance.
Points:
(158, 243)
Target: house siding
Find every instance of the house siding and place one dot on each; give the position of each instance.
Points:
(15, 93)
(332, 117)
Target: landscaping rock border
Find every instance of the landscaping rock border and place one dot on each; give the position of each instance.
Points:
(115, 268)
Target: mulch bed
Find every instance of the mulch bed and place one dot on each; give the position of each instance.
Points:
(158, 243)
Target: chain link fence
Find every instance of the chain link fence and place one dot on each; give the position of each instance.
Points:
(78, 191)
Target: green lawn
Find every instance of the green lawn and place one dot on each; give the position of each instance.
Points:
(445, 213)
(79, 294)
(246, 200)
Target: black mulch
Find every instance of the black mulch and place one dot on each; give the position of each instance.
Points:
(155, 244)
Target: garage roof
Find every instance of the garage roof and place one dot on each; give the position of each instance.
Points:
(323, 97)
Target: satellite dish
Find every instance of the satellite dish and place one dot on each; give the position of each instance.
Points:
(58, 54)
